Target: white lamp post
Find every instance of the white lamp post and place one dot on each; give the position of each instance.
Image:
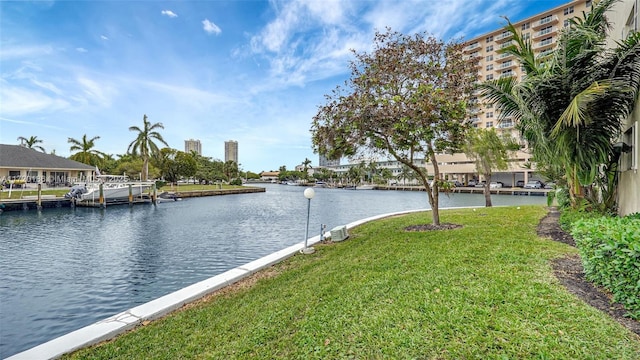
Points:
(309, 194)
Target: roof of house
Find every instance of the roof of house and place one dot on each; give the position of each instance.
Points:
(16, 156)
(270, 173)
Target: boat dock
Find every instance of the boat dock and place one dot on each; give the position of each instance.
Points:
(51, 201)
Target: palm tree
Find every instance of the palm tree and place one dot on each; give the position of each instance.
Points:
(406, 173)
(573, 102)
(31, 143)
(306, 165)
(489, 151)
(143, 145)
(86, 153)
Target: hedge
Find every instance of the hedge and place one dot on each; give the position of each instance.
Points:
(610, 251)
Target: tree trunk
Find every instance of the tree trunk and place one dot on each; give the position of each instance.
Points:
(145, 169)
(487, 191)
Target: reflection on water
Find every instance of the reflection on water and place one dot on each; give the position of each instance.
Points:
(61, 269)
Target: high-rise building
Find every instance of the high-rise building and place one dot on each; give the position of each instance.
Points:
(193, 145)
(323, 161)
(231, 151)
(542, 29)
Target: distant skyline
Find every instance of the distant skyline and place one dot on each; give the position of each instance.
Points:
(253, 71)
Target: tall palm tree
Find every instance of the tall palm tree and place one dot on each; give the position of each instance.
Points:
(31, 142)
(85, 152)
(572, 105)
(143, 145)
(306, 165)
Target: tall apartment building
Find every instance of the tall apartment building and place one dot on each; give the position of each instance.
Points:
(231, 151)
(193, 145)
(542, 29)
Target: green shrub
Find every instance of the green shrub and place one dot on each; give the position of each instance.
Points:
(160, 184)
(610, 251)
(569, 216)
(236, 181)
(634, 216)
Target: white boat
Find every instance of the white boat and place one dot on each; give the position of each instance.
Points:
(365, 187)
(114, 187)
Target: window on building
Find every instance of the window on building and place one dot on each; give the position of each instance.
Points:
(628, 158)
(489, 124)
(489, 67)
(489, 115)
(526, 36)
(489, 77)
(490, 106)
(489, 58)
(526, 26)
(489, 39)
(588, 4)
(566, 23)
(568, 10)
(489, 48)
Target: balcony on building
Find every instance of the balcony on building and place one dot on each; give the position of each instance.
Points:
(503, 37)
(548, 31)
(544, 44)
(504, 56)
(547, 20)
(505, 45)
(507, 65)
(474, 120)
(505, 123)
(476, 110)
(472, 47)
(507, 74)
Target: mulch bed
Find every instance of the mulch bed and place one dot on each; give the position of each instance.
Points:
(570, 272)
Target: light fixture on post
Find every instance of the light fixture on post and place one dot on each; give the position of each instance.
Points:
(309, 194)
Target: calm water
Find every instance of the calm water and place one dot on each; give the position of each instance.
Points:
(62, 269)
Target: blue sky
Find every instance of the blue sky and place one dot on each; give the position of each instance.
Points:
(250, 71)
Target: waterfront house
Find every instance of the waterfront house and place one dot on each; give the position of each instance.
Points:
(23, 166)
(269, 175)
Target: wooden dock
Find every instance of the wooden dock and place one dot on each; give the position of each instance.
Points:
(51, 202)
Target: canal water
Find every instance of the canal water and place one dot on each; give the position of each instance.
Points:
(62, 269)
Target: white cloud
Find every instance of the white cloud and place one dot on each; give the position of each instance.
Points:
(210, 27)
(169, 13)
(81, 50)
(104, 37)
(18, 101)
(20, 52)
(101, 93)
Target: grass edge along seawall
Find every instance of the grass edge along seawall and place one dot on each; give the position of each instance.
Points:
(486, 290)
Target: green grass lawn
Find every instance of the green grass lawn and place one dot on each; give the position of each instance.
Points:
(484, 291)
(31, 191)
